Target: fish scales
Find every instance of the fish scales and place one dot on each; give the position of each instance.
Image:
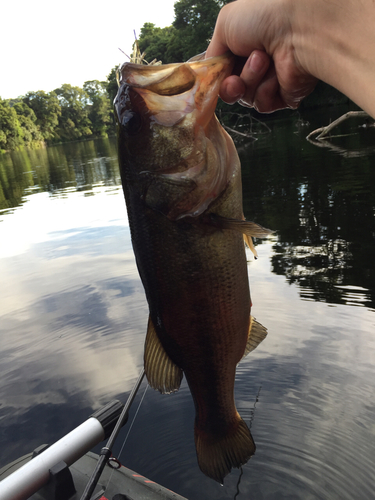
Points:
(182, 184)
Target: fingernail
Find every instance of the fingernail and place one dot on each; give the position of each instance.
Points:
(256, 63)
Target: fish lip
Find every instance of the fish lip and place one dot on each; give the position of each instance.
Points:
(198, 58)
(181, 82)
(127, 69)
(173, 91)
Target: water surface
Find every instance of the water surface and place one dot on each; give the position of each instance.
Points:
(73, 316)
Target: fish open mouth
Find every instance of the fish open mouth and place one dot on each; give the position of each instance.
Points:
(176, 78)
(169, 111)
(181, 80)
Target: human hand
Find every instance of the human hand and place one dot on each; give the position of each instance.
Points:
(272, 77)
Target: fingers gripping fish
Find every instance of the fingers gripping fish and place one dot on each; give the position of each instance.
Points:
(182, 183)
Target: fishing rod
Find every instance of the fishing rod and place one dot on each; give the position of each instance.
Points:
(106, 451)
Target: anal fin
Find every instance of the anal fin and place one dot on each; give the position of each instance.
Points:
(162, 374)
(257, 333)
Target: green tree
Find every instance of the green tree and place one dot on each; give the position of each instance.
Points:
(98, 106)
(111, 85)
(156, 42)
(195, 22)
(11, 134)
(47, 110)
(27, 120)
(74, 122)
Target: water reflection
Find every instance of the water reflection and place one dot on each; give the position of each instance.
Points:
(65, 348)
(73, 318)
(79, 165)
(322, 206)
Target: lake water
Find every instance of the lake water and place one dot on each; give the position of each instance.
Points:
(73, 315)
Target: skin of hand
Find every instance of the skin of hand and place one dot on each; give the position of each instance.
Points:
(270, 78)
(285, 46)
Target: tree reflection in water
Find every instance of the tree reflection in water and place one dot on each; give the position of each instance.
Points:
(321, 202)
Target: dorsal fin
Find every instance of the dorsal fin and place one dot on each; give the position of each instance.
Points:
(162, 374)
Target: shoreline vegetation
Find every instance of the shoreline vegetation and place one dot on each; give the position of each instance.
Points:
(39, 119)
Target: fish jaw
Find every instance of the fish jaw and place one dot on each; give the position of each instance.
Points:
(170, 151)
(181, 88)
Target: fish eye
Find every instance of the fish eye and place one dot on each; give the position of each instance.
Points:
(132, 122)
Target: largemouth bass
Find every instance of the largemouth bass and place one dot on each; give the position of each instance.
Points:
(182, 183)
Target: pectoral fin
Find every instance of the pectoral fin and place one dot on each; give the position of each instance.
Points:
(249, 242)
(162, 374)
(247, 228)
(257, 333)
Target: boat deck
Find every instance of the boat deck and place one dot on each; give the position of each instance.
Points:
(112, 482)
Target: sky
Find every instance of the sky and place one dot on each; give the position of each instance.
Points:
(47, 43)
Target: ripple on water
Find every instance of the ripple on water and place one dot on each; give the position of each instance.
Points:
(309, 440)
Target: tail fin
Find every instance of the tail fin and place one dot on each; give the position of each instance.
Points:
(217, 455)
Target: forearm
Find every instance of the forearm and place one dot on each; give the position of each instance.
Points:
(334, 40)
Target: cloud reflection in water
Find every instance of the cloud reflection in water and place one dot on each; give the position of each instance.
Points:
(70, 339)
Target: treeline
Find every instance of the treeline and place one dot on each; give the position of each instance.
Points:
(70, 113)
(65, 114)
